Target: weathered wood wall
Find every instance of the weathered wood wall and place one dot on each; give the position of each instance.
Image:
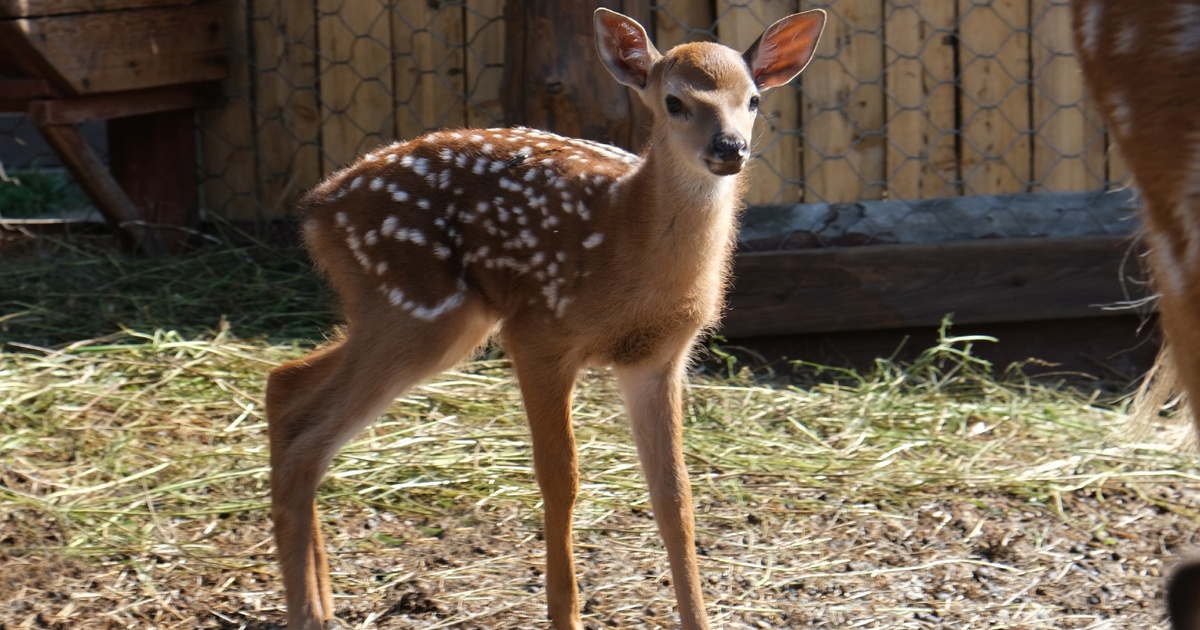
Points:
(907, 99)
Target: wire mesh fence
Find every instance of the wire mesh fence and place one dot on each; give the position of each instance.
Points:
(918, 119)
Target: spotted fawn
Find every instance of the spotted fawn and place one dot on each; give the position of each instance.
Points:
(571, 252)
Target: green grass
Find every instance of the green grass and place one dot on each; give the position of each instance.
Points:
(35, 193)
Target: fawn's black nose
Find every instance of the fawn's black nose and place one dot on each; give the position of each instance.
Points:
(729, 153)
(729, 147)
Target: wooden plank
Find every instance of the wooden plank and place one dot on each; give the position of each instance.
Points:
(356, 79)
(775, 177)
(427, 39)
(1068, 146)
(896, 286)
(286, 128)
(142, 48)
(230, 180)
(922, 161)
(843, 110)
(680, 21)
(484, 62)
(570, 94)
(19, 90)
(25, 8)
(153, 158)
(122, 104)
(20, 59)
(994, 62)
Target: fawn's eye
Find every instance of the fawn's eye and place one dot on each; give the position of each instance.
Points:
(754, 102)
(674, 105)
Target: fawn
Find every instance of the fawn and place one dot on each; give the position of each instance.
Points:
(1140, 61)
(572, 252)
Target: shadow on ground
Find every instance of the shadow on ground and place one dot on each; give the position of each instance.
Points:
(56, 291)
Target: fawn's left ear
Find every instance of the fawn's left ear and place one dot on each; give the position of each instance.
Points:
(785, 48)
(624, 47)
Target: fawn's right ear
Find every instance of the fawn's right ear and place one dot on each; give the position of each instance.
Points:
(624, 48)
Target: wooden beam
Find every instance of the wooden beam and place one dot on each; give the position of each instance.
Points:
(19, 58)
(141, 48)
(122, 104)
(897, 286)
(25, 8)
(101, 188)
(19, 90)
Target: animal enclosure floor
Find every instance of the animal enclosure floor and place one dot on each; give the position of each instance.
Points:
(133, 483)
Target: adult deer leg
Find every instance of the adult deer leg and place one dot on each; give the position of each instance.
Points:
(546, 386)
(654, 396)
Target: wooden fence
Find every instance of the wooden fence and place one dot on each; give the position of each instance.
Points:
(907, 99)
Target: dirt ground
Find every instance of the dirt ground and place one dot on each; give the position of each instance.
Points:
(790, 558)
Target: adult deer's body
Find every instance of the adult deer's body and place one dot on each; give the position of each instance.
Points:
(1141, 61)
(579, 252)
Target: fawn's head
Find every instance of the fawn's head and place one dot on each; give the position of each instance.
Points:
(704, 96)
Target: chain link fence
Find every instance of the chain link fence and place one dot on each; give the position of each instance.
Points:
(918, 120)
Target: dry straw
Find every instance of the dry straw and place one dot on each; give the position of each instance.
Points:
(133, 487)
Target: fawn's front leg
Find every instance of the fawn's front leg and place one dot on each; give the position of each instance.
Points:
(546, 387)
(654, 397)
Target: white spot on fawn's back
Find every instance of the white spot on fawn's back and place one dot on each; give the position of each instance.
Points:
(1186, 39)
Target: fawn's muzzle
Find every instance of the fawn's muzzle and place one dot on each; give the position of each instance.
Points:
(729, 153)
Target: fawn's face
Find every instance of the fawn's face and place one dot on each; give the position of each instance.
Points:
(705, 98)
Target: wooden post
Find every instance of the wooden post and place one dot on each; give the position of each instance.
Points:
(553, 78)
(153, 158)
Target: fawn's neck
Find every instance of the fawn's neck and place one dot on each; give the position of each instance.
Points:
(683, 219)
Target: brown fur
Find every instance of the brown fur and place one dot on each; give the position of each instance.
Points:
(436, 243)
(1140, 61)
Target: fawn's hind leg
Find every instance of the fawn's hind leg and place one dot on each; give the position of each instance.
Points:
(317, 403)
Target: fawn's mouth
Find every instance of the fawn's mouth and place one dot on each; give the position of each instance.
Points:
(731, 167)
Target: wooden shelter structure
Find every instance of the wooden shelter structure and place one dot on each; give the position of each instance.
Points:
(143, 66)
